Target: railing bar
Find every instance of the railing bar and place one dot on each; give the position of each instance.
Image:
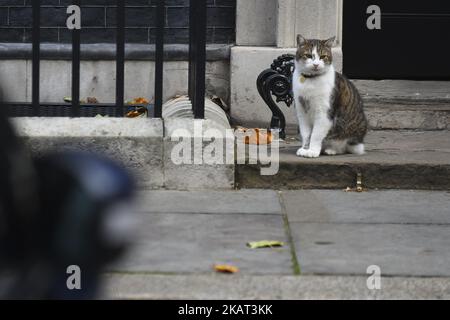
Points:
(200, 59)
(36, 7)
(192, 35)
(76, 69)
(159, 58)
(120, 58)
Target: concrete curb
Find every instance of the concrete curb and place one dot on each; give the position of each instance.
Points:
(140, 145)
(134, 143)
(217, 287)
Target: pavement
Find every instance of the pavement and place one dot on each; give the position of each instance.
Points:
(331, 238)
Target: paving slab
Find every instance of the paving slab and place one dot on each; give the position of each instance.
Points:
(193, 243)
(394, 160)
(207, 287)
(231, 202)
(349, 249)
(394, 207)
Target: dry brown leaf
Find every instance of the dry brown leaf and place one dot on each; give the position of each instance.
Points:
(137, 113)
(226, 268)
(137, 101)
(256, 136)
(92, 100)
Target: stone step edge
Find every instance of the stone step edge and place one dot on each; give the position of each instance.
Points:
(341, 176)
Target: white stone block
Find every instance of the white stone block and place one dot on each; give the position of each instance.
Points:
(13, 80)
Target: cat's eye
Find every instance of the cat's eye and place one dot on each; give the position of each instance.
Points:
(323, 57)
(307, 56)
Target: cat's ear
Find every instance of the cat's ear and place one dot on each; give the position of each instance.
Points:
(300, 40)
(330, 42)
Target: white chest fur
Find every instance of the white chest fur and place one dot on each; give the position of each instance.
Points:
(316, 92)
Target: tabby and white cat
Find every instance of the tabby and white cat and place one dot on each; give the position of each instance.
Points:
(329, 107)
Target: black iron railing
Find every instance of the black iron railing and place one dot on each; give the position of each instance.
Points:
(197, 63)
(36, 57)
(197, 56)
(276, 82)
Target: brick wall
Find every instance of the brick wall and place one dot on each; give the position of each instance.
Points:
(98, 21)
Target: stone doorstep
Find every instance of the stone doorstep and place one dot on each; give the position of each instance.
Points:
(387, 113)
(404, 105)
(401, 104)
(404, 90)
(406, 115)
(394, 160)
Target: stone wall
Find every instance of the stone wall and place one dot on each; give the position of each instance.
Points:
(97, 79)
(99, 18)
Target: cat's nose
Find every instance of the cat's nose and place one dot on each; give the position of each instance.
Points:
(316, 66)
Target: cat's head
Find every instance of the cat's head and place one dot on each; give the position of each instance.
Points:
(314, 56)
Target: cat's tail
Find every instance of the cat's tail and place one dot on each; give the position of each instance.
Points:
(358, 149)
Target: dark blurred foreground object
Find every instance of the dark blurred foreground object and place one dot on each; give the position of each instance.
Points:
(59, 211)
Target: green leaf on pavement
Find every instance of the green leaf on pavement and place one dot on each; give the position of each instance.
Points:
(265, 244)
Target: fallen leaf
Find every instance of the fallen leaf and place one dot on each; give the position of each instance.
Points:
(256, 136)
(357, 189)
(265, 244)
(226, 268)
(92, 100)
(137, 113)
(69, 100)
(139, 100)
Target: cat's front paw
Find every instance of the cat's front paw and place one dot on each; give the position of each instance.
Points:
(308, 153)
(300, 152)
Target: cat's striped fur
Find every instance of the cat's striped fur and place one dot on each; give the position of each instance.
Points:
(347, 113)
(329, 107)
